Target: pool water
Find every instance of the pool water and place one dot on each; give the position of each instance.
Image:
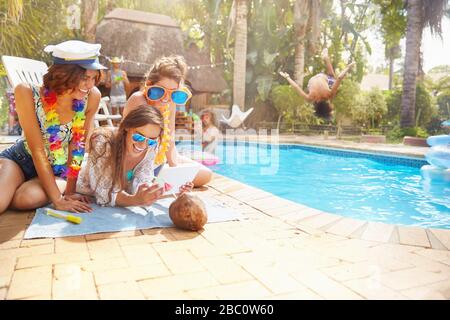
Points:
(356, 185)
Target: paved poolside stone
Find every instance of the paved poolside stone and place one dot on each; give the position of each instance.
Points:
(377, 231)
(280, 250)
(413, 236)
(443, 236)
(346, 227)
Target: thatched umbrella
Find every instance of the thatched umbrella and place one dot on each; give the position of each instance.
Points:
(138, 36)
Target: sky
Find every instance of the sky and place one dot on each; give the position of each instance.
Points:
(436, 51)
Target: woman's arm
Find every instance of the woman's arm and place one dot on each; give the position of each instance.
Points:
(135, 100)
(28, 121)
(295, 85)
(92, 108)
(125, 80)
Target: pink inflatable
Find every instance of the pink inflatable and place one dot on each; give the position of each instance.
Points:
(205, 158)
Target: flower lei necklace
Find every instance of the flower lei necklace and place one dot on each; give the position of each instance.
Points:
(52, 124)
(165, 140)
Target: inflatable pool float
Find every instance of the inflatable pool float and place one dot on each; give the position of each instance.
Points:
(205, 158)
(438, 157)
(433, 173)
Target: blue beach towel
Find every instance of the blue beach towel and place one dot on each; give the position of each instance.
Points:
(113, 219)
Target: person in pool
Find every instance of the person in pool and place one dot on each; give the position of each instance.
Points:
(164, 89)
(119, 169)
(210, 133)
(322, 88)
(55, 117)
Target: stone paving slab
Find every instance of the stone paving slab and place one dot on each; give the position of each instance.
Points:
(279, 250)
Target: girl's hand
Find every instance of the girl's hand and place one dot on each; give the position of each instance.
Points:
(284, 74)
(79, 197)
(65, 203)
(147, 195)
(187, 187)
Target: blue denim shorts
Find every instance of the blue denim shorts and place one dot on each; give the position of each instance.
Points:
(19, 155)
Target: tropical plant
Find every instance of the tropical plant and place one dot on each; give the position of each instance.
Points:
(371, 108)
(420, 14)
(425, 107)
(392, 28)
(27, 26)
(346, 99)
(290, 106)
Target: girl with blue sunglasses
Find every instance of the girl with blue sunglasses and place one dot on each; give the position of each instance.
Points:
(164, 86)
(120, 166)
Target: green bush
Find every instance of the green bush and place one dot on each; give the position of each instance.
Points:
(347, 98)
(370, 109)
(426, 108)
(291, 106)
(397, 134)
(443, 102)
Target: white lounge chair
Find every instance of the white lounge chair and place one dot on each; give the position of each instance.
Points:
(106, 116)
(23, 70)
(237, 117)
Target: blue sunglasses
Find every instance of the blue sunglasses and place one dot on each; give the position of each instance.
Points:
(178, 96)
(137, 137)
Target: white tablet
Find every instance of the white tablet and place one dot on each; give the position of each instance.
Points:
(179, 175)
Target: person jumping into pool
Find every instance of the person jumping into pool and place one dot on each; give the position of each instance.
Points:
(321, 88)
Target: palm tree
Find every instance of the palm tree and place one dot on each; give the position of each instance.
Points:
(301, 17)
(26, 27)
(240, 52)
(90, 13)
(420, 13)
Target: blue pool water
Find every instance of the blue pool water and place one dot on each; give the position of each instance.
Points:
(351, 184)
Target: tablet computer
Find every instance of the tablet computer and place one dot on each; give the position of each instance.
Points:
(178, 176)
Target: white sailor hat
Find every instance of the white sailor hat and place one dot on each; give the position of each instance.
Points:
(76, 52)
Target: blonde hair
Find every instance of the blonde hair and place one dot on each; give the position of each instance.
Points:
(173, 67)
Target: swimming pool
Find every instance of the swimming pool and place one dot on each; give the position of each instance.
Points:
(358, 185)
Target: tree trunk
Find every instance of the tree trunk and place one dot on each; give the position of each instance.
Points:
(391, 72)
(301, 16)
(90, 12)
(278, 122)
(413, 40)
(240, 53)
(314, 27)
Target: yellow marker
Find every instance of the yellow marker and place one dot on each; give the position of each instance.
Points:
(68, 217)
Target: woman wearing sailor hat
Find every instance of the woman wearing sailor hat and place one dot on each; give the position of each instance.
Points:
(56, 119)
